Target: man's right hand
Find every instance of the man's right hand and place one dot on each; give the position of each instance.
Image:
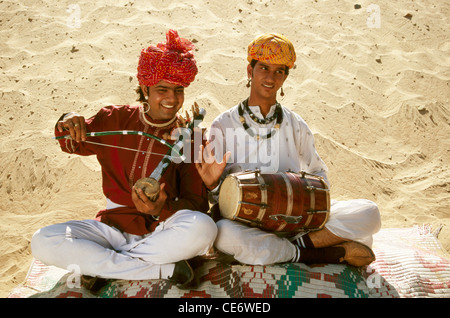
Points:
(75, 124)
(208, 168)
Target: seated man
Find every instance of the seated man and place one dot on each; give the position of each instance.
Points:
(259, 133)
(136, 238)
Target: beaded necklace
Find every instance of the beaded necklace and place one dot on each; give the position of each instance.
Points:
(264, 121)
(278, 114)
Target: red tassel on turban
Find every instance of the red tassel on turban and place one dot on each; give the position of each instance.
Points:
(172, 62)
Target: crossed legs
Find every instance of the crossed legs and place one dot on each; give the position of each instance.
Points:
(346, 237)
(103, 251)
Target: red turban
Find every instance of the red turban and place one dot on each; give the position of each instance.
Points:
(172, 62)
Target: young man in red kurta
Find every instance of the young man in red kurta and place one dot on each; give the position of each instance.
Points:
(134, 237)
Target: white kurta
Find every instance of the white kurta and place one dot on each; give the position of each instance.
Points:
(291, 148)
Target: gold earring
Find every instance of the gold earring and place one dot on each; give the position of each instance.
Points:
(249, 82)
(282, 92)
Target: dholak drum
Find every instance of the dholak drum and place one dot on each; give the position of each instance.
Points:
(280, 202)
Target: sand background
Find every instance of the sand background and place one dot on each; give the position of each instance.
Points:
(374, 90)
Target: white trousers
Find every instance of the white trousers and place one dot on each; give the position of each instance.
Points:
(355, 220)
(103, 251)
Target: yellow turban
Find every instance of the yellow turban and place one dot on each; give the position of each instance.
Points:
(272, 48)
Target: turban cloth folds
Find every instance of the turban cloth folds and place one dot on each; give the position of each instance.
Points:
(272, 48)
(172, 62)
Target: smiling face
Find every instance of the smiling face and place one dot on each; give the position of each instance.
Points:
(165, 99)
(266, 81)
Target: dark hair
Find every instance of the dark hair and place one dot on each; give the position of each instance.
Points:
(253, 63)
(141, 97)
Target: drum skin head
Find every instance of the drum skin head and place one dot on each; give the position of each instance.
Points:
(229, 197)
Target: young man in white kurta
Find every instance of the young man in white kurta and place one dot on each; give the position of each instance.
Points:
(291, 148)
(261, 134)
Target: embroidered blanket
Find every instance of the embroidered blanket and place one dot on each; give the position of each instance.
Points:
(410, 263)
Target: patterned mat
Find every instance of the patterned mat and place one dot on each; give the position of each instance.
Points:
(410, 263)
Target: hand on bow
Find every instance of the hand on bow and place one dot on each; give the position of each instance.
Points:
(75, 124)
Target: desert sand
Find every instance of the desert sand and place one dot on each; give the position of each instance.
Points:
(372, 81)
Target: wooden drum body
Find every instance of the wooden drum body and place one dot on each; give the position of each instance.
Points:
(279, 202)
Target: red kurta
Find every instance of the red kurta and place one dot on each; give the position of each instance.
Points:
(122, 168)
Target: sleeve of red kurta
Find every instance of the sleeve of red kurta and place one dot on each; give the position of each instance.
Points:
(192, 194)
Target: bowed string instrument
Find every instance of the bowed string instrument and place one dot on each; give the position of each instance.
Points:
(150, 185)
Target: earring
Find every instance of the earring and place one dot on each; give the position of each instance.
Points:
(249, 82)
(282, 92)
(148, 107)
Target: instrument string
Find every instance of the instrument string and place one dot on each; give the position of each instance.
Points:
(125, 132)
(124, 148)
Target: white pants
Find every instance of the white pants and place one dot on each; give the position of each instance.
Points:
(103, 251)
(355, 220)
